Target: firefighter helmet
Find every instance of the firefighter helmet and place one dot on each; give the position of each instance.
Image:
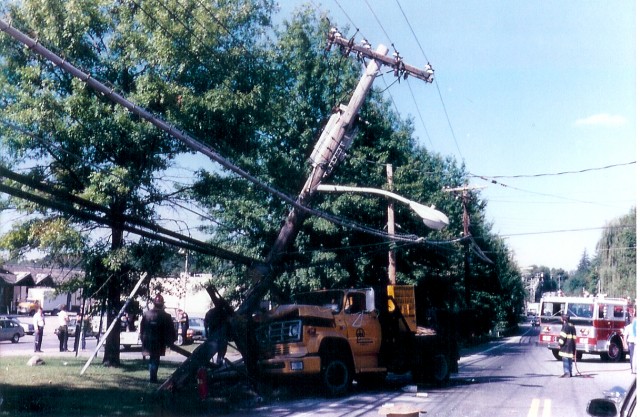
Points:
(159, 300)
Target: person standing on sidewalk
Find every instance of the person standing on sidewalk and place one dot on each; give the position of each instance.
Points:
(38, 326)
(567, 341)
(63, 327)
(630, 336)
(157, 332)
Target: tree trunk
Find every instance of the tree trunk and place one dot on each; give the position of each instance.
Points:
(112, 345)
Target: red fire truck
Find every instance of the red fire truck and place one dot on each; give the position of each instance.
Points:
(599, 322)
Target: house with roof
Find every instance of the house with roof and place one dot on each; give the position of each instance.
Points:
(17, 280)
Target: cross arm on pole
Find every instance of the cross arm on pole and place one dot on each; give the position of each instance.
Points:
(395, 62)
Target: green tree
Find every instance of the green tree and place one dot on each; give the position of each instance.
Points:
(198, 67)
(578, 281)
(615, 259)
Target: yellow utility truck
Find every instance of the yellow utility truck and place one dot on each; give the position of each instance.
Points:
(346, 334)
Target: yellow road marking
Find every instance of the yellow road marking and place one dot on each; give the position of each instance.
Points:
(535, 406)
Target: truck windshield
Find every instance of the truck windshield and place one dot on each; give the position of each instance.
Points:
(329, 299)
(551, 309)
(580, 310)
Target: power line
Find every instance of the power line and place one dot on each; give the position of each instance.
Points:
(543, 194)
(586, 229)
(444, 107)
(415, 102)
(552, 174)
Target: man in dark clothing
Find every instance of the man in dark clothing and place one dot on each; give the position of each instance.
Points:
(217, 328)
(157, 332)
(567, 342)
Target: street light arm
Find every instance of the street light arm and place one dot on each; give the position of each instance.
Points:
(430, 216)
(343, 189)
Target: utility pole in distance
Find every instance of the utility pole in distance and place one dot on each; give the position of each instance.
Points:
(391, 228)
(466, 221)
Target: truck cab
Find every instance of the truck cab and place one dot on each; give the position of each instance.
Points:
(341, 335)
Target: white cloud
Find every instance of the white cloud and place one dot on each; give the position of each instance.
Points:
(601, 119)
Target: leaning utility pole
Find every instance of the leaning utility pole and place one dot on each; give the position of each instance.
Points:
(330, 149)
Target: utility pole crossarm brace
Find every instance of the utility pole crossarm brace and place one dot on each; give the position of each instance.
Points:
(400, 68)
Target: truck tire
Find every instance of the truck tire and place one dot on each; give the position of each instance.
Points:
(432, 370)
(440, 371)
(615, 353)
(337, 376)
(556, 354)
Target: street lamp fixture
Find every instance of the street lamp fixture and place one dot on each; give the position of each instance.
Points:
(431, 217)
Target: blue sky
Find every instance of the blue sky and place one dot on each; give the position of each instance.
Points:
(522, 88)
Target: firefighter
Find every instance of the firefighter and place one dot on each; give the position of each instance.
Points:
(567, 342)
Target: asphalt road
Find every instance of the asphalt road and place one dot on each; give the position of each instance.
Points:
(512, 377)
(506, 378)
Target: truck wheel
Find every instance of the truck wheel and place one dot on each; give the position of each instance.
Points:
(336, 377)
(615, 352)
(15, 338)
(436, 369)
(440, 369)
(556, 354)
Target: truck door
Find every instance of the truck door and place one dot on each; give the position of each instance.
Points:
(363, 330)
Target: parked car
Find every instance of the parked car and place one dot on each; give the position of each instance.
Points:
(10, 329)
(73, 320)
(25, 322)
(608, 406)
(196, 325)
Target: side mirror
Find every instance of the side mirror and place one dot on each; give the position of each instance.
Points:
(602, 407)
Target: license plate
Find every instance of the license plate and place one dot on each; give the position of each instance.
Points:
(546, 338)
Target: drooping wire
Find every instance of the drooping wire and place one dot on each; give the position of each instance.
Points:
(444, 107)
(542, 194)
(415, 102)
(553, 174)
